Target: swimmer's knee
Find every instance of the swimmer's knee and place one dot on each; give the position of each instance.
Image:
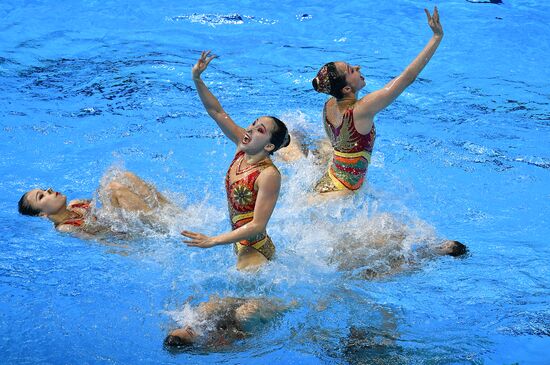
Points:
(129, 175)
(114, 186)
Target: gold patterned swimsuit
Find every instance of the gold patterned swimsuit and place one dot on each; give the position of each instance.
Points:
(351, 158)
(241, 198)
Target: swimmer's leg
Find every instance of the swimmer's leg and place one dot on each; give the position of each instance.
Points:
(249, 259)
(122, 197)
(323, 152)
(247, 310)
(296, 149)
(142, 188)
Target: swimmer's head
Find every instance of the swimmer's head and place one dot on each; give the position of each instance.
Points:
(41, 202)
(338, 79)
(279, 136)
(265, 133)
(181, 337)
(452, 248)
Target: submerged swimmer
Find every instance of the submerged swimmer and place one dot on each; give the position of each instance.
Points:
(388, 247)
(349, 121)
(221, 321)
(127, 192)
(252, 182)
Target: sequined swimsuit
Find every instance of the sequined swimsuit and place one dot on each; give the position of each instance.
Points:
(351, 157)
(241, 198)
(81, 209)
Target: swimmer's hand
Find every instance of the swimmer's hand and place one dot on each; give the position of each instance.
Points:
(433, 22)
(198, 240)
(202, 64)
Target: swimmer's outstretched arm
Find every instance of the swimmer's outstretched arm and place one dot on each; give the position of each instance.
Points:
(269, 184)
(211, 103)
(374, 102)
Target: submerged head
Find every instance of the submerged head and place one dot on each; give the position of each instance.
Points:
(181, 337)
(41, 202)
(452, 248)
(338, 79)
(265, 133)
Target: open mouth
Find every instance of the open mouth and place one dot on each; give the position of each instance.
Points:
(246, 139)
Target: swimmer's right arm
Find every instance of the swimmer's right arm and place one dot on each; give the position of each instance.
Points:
(211, 103)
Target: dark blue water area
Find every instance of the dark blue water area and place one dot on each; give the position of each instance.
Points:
(463, 153)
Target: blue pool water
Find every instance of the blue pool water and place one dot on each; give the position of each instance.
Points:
(90, 87)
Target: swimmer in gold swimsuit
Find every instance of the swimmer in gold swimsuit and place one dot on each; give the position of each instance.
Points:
(349, 121)
(252, 181)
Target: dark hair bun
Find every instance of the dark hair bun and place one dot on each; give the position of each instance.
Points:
(287, 140)
(315, 84)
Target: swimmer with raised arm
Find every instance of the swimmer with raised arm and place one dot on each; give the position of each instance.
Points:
(349, 122)
(127, 192)
(252, 182)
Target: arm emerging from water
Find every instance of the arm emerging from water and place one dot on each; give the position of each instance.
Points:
(374, 102)
(269, 184)
(211, 103)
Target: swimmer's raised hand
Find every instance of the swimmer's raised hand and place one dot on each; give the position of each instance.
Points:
(198, 240)
(433, 22)
(202, 64)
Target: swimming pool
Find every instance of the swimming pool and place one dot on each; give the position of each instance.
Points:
(463, 153)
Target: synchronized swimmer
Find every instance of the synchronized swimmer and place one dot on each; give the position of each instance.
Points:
(252, 181)
(127, 191)
(349, 121)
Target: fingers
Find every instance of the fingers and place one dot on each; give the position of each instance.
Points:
(210, 59)
(190, 234)
(428, 15)
(436, 14)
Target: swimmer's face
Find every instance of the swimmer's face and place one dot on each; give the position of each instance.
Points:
(354, 78)
(46, 201)
(185, 336)
(258, 136)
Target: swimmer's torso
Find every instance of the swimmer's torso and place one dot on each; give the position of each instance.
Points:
(351, 156)
(240, 185)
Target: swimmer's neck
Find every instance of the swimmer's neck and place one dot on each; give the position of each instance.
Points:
(252, 159)
(352, 97)
(61, 216)
(346, 101)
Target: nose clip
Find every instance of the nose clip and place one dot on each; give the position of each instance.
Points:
(50, 190)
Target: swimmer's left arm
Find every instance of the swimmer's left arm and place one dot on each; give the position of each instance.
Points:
(269, 184)
(374, 102)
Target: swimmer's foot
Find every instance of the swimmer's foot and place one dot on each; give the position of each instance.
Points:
(451, 248)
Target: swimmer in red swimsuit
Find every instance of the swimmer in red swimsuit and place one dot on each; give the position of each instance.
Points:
(349, 121)
(252, 181)
(129, 193)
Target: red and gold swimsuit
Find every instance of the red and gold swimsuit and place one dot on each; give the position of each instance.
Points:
(81, 209)
(241, 198)
(351, 158)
